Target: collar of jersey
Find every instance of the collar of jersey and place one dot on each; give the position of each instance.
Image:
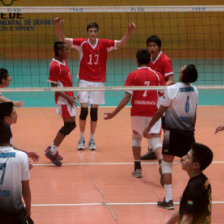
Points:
(142, 67)
(93, 46)
(59, 62)
(157, 57)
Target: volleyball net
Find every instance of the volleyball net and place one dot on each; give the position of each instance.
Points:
(189, 34)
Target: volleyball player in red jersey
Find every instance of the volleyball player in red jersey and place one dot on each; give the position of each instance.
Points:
(144, 106)
(161, 63)
(93, 54)
(60, 76)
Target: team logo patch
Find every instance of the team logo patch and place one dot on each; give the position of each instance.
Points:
(190, 202)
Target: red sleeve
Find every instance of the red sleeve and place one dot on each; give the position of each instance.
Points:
(78, 41)
(109, 43)
(128, 81)
(168, 70)
(54, 73)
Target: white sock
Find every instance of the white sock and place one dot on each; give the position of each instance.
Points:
(82, 136)
(92, 136)
(54, 149)
(168, 192)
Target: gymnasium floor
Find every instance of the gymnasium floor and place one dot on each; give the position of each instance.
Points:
(97, 187)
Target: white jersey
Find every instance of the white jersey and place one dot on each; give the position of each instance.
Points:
(14, 168)
(181, 100)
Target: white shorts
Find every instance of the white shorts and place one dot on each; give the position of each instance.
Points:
(66, 111)
(92, 97)
(139, 124)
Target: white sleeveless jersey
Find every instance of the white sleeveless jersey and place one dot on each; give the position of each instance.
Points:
(181, 100)
(14, 168)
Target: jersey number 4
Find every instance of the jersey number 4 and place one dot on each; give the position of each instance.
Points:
(93, 59)
(2, 172)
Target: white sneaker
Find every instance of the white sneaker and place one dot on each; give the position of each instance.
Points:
(81, 145)
(92, 145)
(137, 173)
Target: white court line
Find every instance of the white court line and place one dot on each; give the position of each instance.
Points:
(108, 203)
(119, 163)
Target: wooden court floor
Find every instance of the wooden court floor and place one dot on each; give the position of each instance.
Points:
(97, 187)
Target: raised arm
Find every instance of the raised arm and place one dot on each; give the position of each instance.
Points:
(58, 23)
(125, 38)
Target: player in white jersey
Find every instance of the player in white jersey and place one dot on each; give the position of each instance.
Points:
(5, 79)
(8, 115)
(179, 104)
(14, 181)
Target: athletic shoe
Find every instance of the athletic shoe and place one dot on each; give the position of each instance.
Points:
(137, 173)
(92, 145)
(167, 205)
(81, 145)
(58, 156)
(51, 157)
(150, 155)
(161, 176)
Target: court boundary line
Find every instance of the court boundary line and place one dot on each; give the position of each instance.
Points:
(107, 204)
(110, 163)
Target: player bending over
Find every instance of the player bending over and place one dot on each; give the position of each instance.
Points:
(144, 106)
(92, 72)
(60, 76)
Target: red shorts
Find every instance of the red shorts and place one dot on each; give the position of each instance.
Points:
(66, 111)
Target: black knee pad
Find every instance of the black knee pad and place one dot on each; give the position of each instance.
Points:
(67, 128)
(93, 114)
(84, 113)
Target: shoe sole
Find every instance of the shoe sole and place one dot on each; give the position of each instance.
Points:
(57, 163)
(168, 208)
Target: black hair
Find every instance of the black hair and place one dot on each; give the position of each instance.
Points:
(5, 133)
(58, 45)
(6, 109)
(202, 154)
(190, 74)
(143, 56)
(154, 39)
(3, 74)
(92, 25)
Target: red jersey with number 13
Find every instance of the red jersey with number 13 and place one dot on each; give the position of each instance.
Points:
(93, 58)
(144, 102)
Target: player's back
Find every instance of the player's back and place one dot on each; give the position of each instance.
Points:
(14, 169)
(144, 102)
(182, 99)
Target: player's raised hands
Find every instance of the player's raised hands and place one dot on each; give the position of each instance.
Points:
(131, 27)
(58, 20)
(219, 128)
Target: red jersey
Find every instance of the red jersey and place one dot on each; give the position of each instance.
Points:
(144, 102)
(163, 65)
(93, 58)
(59, 73)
